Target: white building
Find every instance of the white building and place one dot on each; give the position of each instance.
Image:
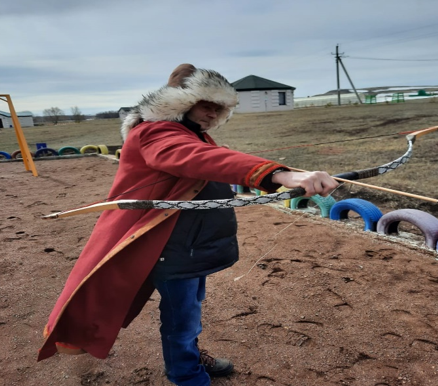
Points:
(258, 94)
(123, 112)
(25, 118)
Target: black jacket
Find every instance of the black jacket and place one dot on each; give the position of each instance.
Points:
(203, 241)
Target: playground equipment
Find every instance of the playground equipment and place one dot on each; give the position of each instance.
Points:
(370, 99)
(398, 97)
(24, 148)
(422, 93)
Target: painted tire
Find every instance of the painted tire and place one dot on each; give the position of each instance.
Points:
(68, 150)
(89, 149)
(324, 203)
(45, 152)
(118, 153)
(102, 149)
(425, 222)
(17, 154)
(370, 213)
(286, 203)
(4, 155)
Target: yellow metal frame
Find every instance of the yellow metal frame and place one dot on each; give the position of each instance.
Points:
(24, 148)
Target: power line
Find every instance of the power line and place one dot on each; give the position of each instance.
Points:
(396, 60)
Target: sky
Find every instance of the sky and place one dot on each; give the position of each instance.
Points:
(100, 55)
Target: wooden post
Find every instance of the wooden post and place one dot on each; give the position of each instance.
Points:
(24, 148)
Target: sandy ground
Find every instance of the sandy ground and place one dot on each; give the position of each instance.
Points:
(318, 302)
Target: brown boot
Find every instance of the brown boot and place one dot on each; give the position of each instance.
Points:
(215, 367)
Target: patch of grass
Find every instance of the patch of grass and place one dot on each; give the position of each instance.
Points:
(337, 139)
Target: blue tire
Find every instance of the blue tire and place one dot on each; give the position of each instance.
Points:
(4, 155)
(369, 212)
(45, 152)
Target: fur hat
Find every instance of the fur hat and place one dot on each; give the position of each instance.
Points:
(187, 85)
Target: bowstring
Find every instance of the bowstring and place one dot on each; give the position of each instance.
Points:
(300, 215)
(341, 183)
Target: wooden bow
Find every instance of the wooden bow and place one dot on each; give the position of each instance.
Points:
(257, 200)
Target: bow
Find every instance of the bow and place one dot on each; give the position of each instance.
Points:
(244, 201)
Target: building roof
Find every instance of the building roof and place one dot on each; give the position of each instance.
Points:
(253, 82)
(125, 109)
(19, 114)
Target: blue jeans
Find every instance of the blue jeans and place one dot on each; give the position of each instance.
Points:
(180, 313)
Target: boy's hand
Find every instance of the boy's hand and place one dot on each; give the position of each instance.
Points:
(313, 182)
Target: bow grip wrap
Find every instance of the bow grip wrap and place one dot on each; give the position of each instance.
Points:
(136, 204)
(358, 175)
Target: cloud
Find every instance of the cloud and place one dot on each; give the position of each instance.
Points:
(67, 51)
(49, 7)
(254, 53)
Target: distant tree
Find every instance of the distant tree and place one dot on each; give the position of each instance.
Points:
(107, 115)
(76, 114)
(54, 114)
(38, 120)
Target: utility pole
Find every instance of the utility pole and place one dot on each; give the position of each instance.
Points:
(339, 60)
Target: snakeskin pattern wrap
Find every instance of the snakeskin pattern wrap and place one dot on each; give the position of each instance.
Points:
(211, 204)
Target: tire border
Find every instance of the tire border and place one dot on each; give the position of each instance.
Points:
(62, 149)
(45, 149)
(88, 147)
(369, 212)
(16, 152)
(425, 222)
(102, 149)
(324, 203)
(6, 155)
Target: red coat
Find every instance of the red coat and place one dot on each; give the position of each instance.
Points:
(109, 285)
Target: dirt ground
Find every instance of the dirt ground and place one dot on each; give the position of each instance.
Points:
(318, 302)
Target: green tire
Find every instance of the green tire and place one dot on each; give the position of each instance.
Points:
(324, 203)
(68, 150)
